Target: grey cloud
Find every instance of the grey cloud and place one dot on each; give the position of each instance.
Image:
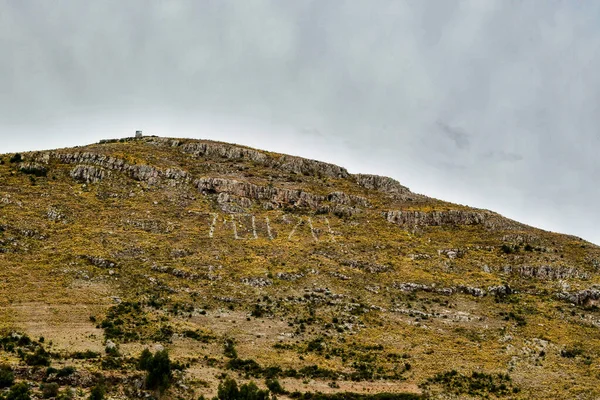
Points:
(514, 80)
(456, 134)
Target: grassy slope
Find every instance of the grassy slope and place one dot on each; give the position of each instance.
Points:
(49, 288)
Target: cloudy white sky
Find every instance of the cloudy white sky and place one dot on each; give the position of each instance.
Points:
(495, 104)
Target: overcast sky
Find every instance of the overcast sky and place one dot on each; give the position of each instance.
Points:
(494, 104)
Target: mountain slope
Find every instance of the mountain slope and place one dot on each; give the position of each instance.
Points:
(324, 280)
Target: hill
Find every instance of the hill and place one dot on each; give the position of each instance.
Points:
(268, 267)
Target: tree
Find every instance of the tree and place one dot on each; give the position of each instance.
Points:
(144, 360)
(228, 390)
(159, 371)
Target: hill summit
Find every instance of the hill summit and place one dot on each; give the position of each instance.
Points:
(178, 268)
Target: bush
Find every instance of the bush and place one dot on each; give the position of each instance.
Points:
(275, 387)
(16, 158)
(477, 384)
(228, 390)
(229, 349)
(97, 392)
(144, 360)
(49, 390)
(571, 352)
(66, 394)
(19, 391)
(7, 377)
(84, 355)
(66, 371)
(38, 358)
(159, 369)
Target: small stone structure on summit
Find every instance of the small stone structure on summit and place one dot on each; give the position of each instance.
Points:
(138, 134)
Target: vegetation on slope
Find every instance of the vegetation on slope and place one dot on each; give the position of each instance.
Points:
(269, 268)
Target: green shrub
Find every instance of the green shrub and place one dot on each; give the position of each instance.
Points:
(275, 387)
(228, 390)
(39, 357)
(84, 355)
(16, 158)
(49, 390)
(97, 392)
(7, 377)
(571, 352)
(144, 360)
(65, 371)
(66, 394)
(158, 367)
(229, 349)
(19, 391)
(476, 384)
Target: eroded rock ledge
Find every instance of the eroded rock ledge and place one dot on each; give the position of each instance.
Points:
(144, 173)
(385, 185)
(487, 219)
(585, 297)
(298, 165)
(544, 272)
(436, 218)
(274, 197)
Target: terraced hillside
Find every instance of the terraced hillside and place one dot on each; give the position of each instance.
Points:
(290, 273)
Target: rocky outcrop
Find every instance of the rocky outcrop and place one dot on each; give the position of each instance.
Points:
(500, 290)
(100, 262)
(303, 166)
(257, 282)
(288, 276)
(436, 218)
(143, 173)
(544, 272)
(233, 204)
(222, 150)
(487, 219)
(249, 190)
(55, 214)
(88, 173)
(585, 297)
(452, 253)
(297, 165)
(385, 185)
(33, 168)
(348, 199)
(274, 197)
(416, 287)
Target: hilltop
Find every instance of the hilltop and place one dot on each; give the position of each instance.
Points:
(269, 267)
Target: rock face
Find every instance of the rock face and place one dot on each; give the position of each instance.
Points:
(143, 173)
(486, 219)
(33, 169)
(385, 185)
(585, 297)
(88, 173)
(279, 197)
(436, 218)
(416, 287)
(545, 272)
(300, 166)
